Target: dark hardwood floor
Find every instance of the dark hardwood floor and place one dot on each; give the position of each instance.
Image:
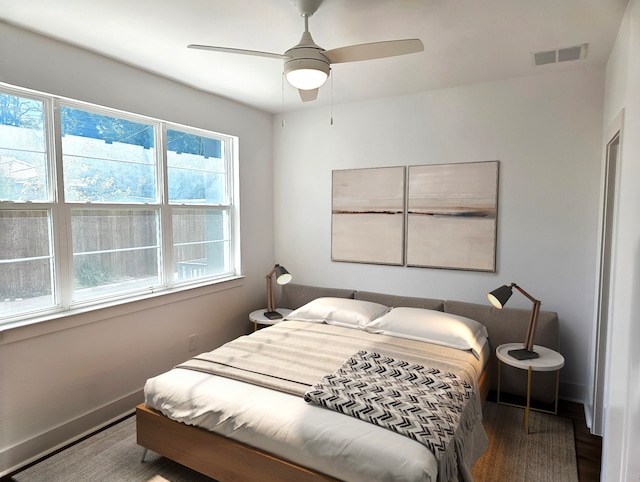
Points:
(588, 446)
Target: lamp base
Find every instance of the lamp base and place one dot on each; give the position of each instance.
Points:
(523, 354)
(272, 315)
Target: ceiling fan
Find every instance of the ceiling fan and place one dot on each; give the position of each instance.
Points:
(307, 65)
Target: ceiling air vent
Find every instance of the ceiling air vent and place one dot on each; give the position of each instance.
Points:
(577, 52)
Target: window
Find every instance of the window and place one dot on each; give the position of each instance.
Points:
(107, 205)
(197, 182)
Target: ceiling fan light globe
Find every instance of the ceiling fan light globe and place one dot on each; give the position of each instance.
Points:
(306, 79)
(307, 73)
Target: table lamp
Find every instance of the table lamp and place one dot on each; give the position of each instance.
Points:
(498, 298)
(282, 278)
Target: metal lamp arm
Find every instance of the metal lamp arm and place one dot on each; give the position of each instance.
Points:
(271, 304)
(270, 273)
(533, 300)
(533, 320)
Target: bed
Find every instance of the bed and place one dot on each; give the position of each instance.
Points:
(228, 424)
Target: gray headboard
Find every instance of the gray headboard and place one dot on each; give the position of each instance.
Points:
(504, 326)
(295, 295)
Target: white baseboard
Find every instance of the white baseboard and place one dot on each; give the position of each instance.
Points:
(588, 416)
(19, 455)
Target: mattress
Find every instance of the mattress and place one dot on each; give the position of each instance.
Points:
(285, 425)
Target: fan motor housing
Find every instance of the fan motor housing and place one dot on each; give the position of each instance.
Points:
(306, 58)
(303, 61)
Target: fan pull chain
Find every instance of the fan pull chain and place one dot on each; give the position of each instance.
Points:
(331, 101)
(282, 82)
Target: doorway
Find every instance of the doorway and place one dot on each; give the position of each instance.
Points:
(612, 154)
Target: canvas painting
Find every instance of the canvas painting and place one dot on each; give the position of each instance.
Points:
(367, 219)
(452, 213)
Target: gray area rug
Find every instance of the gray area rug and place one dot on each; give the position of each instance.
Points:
(109, 456)
(546, 454)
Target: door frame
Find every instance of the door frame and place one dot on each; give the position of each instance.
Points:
(604, 275)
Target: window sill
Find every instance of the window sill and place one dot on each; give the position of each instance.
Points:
(63, 320)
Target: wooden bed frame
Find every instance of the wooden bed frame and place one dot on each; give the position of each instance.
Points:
(225, 459)
(213, 455)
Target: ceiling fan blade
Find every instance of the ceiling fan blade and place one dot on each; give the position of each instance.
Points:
(228, 50)
(308, 95)
(374, 50)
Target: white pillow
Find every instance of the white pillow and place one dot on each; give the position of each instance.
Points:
(433, 327)
(339, 311)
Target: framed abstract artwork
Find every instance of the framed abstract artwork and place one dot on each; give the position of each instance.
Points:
(451, 216)
(367, 215)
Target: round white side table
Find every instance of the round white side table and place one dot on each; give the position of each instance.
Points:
(257, 317)
(548, 361)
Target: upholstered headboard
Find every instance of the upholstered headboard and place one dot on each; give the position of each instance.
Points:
(396, 300)
(504, 326)
(295, 295)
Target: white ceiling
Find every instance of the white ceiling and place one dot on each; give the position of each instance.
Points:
(466, 41)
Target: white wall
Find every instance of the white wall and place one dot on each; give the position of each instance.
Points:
(61, 378)
(546, 132)
(621, 440)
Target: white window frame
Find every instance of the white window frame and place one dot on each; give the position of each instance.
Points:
(60, 210)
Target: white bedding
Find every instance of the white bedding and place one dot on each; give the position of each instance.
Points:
(332, 443)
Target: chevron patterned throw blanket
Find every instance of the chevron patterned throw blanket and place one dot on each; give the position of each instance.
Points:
(425, 404)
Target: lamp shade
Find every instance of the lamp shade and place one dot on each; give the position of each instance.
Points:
(500, 296)
(282, 275)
